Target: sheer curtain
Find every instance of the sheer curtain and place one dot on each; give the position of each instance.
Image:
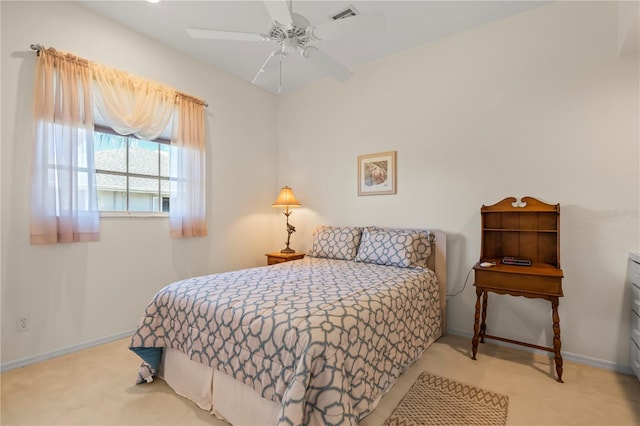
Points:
(64, 205)
(187, 214)
(131, 105)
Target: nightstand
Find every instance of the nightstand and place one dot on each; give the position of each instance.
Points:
(277, 257)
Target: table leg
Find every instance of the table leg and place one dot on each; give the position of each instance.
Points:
(483, 324)
(476, 325)
(556, 338)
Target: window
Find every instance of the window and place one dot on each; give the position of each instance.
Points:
(132, 175)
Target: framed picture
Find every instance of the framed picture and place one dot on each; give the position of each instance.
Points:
(377, 173)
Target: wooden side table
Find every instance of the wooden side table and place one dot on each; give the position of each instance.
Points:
(277, 257)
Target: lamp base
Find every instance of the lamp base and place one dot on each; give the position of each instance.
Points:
(287, 250)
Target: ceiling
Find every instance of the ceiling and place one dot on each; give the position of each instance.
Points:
(409, 24)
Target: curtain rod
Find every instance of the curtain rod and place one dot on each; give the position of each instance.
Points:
(38, 47)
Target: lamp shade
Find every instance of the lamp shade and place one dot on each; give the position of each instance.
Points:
(286, 198)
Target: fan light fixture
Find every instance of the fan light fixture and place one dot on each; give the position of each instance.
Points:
(287, 200)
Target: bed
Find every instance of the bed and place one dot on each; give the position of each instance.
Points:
(313, 341)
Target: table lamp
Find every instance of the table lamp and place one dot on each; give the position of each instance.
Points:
(287, 200)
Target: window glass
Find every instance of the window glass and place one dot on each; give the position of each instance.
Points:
(164, 160)
(132, 175)
(144, 157)
(110, 152)
(164, 193)
(143, 194)
(112, 192)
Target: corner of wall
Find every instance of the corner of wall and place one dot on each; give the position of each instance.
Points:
(628, 27)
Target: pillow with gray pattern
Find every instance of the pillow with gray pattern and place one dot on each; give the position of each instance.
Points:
(335, 242)
(394, 247)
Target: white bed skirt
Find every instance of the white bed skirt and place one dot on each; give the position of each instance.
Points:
(216, 392)
(220, 394)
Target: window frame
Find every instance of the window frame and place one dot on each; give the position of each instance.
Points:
(126, 213)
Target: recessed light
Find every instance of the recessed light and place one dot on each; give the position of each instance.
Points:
(153, 1)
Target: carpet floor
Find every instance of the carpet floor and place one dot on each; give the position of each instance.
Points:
(95, 387)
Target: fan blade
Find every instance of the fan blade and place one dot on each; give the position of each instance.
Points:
(225, 35)
(279, 12)
(348, 27)
(326, 63)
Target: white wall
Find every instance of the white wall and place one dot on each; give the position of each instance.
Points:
(80, 293)
(540, 105)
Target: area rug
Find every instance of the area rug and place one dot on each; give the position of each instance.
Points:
(435, 400)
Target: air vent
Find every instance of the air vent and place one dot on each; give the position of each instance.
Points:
(347, 13)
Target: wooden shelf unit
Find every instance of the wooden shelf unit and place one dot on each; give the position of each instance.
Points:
(532, 231)
(528, 229)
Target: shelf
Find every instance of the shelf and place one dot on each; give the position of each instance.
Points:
(519, 230)
(537, 268)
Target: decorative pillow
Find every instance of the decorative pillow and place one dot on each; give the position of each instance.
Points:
(394, 247)
(335, 242)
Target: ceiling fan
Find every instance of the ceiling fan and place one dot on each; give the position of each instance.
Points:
(292, 33)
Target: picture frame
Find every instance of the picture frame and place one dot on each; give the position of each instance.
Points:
(377, 173)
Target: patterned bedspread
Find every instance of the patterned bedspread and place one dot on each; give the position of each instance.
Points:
(325, 338)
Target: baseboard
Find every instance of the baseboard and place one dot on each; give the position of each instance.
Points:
(580, 359)
(22, 362)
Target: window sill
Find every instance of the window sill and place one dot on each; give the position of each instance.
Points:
(134, 214)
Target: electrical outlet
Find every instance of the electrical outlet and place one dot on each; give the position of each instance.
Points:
(23, 323)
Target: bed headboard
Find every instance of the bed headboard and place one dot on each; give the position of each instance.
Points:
(437, 262)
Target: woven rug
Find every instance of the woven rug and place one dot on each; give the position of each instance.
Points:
(434, 400)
